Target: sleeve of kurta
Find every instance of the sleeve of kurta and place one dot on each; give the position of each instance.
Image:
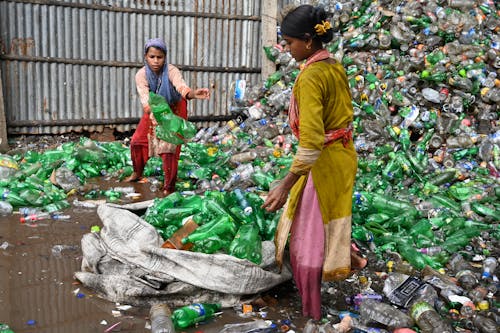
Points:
(175, 76)
(308, 93)
(142, 85)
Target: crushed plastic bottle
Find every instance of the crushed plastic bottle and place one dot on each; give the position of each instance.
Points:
(382, 313)
(5, 208)
(160, 314)
(245, 327)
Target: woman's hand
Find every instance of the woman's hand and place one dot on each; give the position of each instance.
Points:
(146, 108)
(277, 196)
(201, 93)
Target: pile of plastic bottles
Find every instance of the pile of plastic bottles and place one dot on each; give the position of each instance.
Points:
(229, 222)
(432, 302)
(44, 179)
(426, 125)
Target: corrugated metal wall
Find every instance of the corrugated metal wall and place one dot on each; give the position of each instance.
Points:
(69, 65)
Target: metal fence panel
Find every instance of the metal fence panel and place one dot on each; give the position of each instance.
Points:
(69, 65)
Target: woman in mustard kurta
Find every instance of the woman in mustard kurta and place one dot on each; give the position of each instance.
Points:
(318, 189)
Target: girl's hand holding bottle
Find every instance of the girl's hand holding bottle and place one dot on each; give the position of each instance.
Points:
(201, 93)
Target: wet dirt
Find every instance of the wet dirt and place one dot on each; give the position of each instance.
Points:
(39, 294)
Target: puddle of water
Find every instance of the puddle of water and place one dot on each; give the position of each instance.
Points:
(38, 292)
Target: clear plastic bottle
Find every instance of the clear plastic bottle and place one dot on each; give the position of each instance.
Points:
(427, 319)
(241, 173)
(59, 216)
(489, 266)
(478, 294)
(25, 211)
(85, 204)
(358, 326)
(484, 324)
(404, 290)
(466, 279)
(160, 314)
(34, 217)
(431, 95)
(372, 310)
(458, 263)
(59, 250)
(245, 327)
(244, 157)
(461, 3)
(242, 201)
(431, 251)
(124, 189)
(5, 208)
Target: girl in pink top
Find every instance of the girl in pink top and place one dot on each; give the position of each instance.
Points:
(164, 79)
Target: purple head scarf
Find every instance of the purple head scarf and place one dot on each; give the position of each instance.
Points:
(160, 84)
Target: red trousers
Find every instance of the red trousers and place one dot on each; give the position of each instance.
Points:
(139, 148)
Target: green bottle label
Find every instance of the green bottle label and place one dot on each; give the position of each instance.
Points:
(418, 309)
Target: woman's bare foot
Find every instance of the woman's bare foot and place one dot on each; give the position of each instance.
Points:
(358, 262)
(132, 178)
(166, 191)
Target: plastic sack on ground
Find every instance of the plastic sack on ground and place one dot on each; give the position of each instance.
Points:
(125, 263)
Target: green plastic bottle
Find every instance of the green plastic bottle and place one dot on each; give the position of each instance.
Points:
(404, 139)
(271, 225)
(447, 202)
(272, 79)
(212, 244)
(410, 254)
(262, 179)
(12, 197)
(485, 211)
(239, 198)
(214, 207)
(389, 205)
(190, 315)
(223, 225)
(459, 239)
(168, 136)
(391, 169)
(174, 216)
(247, 244)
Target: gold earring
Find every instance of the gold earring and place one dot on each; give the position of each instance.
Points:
(308, 47)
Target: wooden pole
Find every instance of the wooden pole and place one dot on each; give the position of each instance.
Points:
(269, 21)
(4, 145)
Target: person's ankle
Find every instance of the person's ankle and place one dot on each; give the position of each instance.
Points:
(132, 178)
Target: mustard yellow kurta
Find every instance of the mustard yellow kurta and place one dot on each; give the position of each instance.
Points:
(324, 100)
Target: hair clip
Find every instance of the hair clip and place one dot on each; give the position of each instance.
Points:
(322, 28)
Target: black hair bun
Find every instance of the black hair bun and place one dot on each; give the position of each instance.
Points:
(319, 15)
